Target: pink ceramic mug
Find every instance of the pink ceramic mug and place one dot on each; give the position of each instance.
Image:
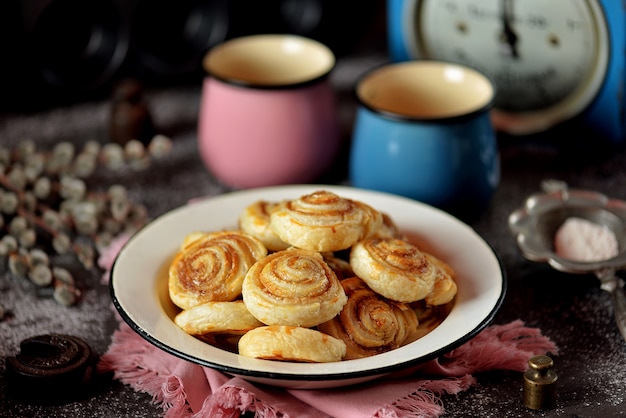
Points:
(268, 111)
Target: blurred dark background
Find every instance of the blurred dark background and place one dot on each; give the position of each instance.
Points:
(58, 52)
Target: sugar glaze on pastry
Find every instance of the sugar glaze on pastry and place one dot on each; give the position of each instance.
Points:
(211, 267)
(323, 221)
(293, 287)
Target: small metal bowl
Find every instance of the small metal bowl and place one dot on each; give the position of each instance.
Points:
(536, 223)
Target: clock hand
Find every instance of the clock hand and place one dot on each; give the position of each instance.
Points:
(508, 34)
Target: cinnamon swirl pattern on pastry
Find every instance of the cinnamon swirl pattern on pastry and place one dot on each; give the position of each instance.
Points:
(217, 317)
(394, 268)
(212, 267)
(293, 287)
(255, 220)
(289, 343)
(370, 324)
(323, 221)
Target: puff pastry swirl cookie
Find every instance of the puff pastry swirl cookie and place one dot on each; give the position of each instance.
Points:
(211, 267)
(370, 324)
(387, 229)
(394, 268)
(323, 221)
(444, 288)
(289, 343)
(293, 287)
(255, 220)
(217, 317)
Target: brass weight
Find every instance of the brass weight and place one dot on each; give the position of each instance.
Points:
(540, 383)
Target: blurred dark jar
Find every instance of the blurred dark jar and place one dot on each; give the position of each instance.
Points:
(170, 38)
(337, 24)
(73, 45)
(58, 52)
(64, 51)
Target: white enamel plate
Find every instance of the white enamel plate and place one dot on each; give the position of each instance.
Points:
(139, 287)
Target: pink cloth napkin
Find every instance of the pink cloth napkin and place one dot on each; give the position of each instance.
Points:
(187, 390)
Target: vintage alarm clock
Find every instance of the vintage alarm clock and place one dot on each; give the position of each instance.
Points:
(554, 62)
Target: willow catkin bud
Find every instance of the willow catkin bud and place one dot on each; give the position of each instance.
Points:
(61, 243)
(72, 188)
(34, 166)
(113, 156)
(27, 238)
(134, 150)
(65, 295)
(84, 165)
(82, 208)
(160, 146)
(63, 275)
(42, 188)
(9, 203)
(52, 220)
(38, 256)
(58, 165)
(16, 178)
(25, 148)
(18, 264)
(119, 208)
(85, 223)
(117, 191)
(40, 275)
(29, 201)
(18, 225)
(63, 152)
(85, 253)
(8, 244)
(92, 147)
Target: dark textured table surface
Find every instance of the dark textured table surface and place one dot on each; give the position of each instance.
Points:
(571, 310)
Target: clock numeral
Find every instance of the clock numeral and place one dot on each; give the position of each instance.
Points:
(537, 22)
(479, 12)
(574, 25)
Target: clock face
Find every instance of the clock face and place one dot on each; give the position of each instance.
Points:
(547, 58)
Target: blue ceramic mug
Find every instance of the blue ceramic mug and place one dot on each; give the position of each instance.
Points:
(422, 130)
